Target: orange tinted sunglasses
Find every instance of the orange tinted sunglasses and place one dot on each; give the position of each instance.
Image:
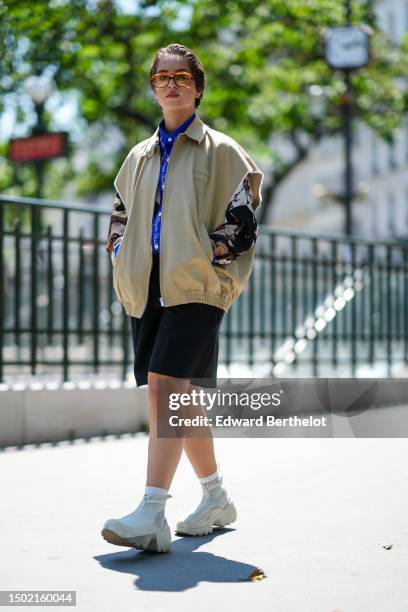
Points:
(182, 78)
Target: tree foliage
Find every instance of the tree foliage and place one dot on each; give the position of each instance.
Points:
(260, 59)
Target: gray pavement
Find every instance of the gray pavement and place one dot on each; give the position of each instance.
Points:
(314, 514)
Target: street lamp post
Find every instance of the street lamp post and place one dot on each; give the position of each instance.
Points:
(39, 89)
(347, 49)
(347, 111)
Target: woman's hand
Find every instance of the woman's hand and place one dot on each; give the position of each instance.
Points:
(218, 248)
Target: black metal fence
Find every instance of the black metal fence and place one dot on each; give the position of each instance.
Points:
(314, 305)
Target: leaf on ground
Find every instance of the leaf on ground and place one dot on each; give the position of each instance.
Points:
(257, 574)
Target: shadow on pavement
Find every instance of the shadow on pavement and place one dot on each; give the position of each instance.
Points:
(180, 569)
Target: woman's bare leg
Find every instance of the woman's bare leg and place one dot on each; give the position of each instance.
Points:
(199, 447)
(163, 453)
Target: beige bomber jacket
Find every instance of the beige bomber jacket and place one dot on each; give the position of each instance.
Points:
(204, 170)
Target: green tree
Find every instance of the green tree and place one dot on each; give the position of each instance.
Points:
(260, 60)
(274, 52)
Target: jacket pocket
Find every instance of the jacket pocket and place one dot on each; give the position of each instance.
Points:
(121, 247)
(116, 285)
(206, 242)
(115, 251)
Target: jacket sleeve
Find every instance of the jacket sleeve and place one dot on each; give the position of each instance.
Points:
(240, 231)
(117, 226)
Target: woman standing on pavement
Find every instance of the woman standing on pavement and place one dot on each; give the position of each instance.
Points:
(179, 264)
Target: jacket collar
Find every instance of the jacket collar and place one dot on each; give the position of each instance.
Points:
(196, 131)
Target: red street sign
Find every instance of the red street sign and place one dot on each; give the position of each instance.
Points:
(40, 146)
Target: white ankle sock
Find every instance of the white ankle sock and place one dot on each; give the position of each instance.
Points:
(212, 476)
(218, 490)
(155, 490)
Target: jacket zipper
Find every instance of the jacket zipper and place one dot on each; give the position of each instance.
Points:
(150, 246)
(161, 225)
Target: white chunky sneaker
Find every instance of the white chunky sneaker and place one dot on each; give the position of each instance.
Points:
(215, 508)
(145, 528)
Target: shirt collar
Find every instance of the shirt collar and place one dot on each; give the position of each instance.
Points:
(195, 130)
(171, 137)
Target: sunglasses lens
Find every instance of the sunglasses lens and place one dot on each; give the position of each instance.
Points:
(160, 80)
(182, 79)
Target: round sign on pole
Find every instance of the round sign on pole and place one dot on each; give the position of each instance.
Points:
(347, 48)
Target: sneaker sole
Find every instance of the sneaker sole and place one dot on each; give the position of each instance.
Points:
(155, 542)
(221, 518)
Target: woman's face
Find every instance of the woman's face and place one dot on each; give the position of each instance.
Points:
(185, 100)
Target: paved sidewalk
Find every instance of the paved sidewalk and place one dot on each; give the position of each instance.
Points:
(314, 514)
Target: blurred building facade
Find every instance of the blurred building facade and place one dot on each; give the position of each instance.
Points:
(305, 200)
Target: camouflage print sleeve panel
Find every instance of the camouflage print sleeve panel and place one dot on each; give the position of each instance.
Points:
(240, 231)
(117, 224)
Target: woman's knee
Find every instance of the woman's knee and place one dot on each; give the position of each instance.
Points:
(163, 382)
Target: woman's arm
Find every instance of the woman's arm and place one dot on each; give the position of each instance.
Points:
(117, 226)
(240, 231)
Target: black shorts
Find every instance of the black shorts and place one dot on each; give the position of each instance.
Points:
(180, 341)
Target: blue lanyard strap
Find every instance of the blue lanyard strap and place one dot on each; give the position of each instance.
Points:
(166, 144)
(157, 218)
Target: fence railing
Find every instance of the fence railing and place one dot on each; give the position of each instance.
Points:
(313, 304)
